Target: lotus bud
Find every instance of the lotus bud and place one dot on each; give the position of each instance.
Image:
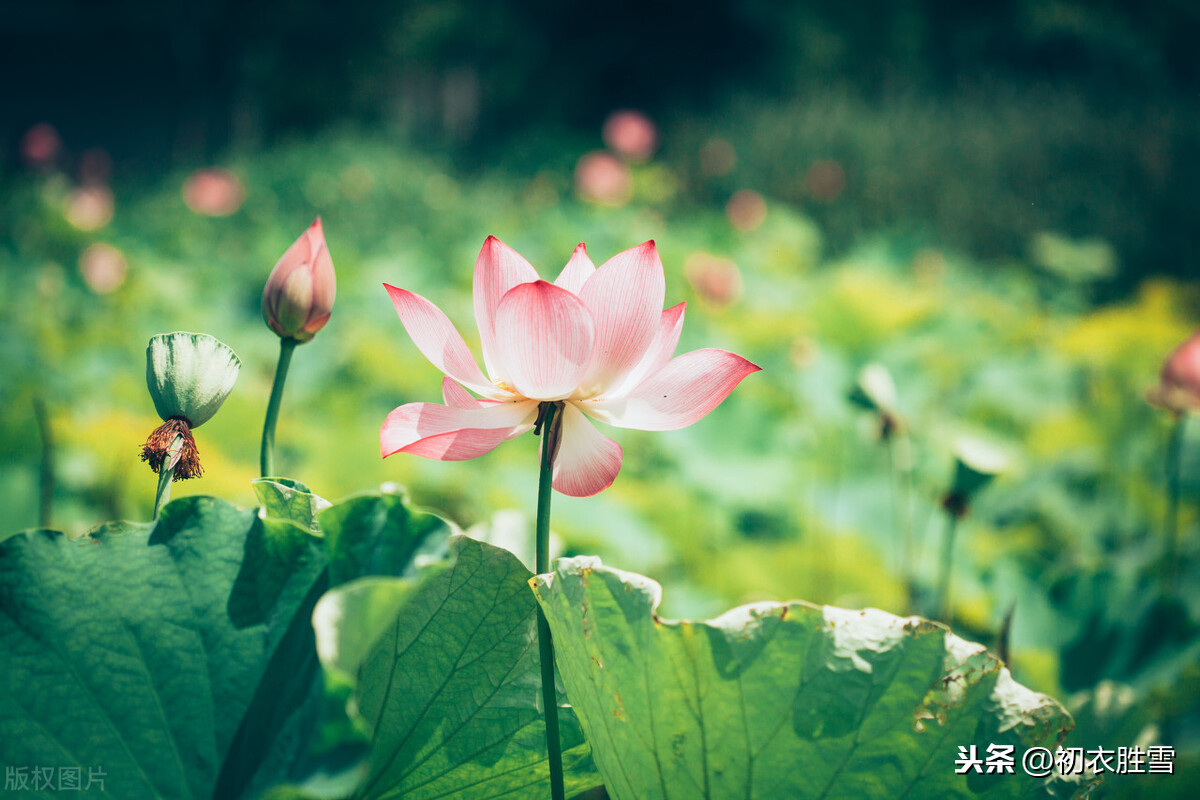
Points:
(977, 463)
(299, 293)
(875, 391)
(189, 375)
(1178, 386)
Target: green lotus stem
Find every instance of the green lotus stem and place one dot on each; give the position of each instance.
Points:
(46, 469)
(166, 474)
(901, 505)
(545, 644)
(1171, 524)
(266, 459)
(943, 592)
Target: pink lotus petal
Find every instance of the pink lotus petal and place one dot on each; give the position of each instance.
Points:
(544, 338)
(438, 340)
(587, 461)
(577, 270)
(625, 297)
(682, 392)
(455, 396)
(670, 325)
(498, 269)
(453, 434)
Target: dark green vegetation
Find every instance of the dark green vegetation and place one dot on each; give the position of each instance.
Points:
(976, 125)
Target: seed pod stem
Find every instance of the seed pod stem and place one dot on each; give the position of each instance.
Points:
(166, 473)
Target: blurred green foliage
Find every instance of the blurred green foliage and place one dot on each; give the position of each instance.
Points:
(785, 491)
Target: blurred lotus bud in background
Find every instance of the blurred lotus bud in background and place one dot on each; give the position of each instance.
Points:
(1178, 386)
(213, 192)
(875, 391)
(40, 146)
(299, 294)
(746, 210)
(825, 180)
(630, 134)
(717, 281)
(89, 208)
(604, 179)
(976, 464)
(103, 268)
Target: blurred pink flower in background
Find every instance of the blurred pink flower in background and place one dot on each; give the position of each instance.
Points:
(41, 146)
(717, 281)
(89, 208)
(596, 342)
(825, 180)
(300, 290)
(103, 268)
(603, 178)
(746, 209)
(630, 134)
(1178, 386)
(213, 192)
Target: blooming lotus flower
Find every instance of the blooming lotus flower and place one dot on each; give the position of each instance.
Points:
(596, 343)
(299, 294)
(1178, 386)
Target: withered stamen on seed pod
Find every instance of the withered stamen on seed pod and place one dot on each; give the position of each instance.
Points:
(157, 448)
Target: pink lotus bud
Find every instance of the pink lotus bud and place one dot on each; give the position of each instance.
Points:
(1178, 386)
(299, 293)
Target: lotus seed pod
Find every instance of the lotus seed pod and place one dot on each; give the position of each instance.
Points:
(189, 375)
(874, 389)
(977, 463)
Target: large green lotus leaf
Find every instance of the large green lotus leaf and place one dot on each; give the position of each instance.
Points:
(781, 701)
(445, 682)
(378, 533)
(122, 651)
(288, 732)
